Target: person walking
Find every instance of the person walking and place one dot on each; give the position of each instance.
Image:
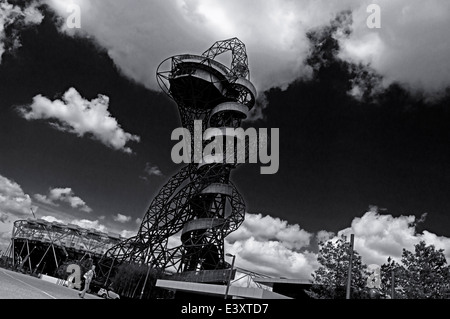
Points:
(87, 280)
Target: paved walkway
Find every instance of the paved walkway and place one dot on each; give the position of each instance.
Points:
(15, 285)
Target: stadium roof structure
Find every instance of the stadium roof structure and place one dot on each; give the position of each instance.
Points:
(66, 241)
(66, 235)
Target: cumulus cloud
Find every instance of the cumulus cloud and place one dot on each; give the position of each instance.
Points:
(284, 250)
(86, 223)
(152, 31)
(44, 199)
(127, 233)
(273, 258)
(323, 235)
(263, 244)
(274, 253)
(271, 246)
(121, 218)
(14, 204)
(379, 236)
(83, 223)
(440, 242)
(66, 195)
(264, 228)
(53, 219)
(13, 200)
(77, 115)
(12, 15)
(90, 224)
(411, 46)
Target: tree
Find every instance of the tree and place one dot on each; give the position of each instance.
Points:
(422, 274)
(130, 279)
(386, 271)
(330, 279)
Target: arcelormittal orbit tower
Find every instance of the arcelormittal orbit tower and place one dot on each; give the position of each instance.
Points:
(199, 202)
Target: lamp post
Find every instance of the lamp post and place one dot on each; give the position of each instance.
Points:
(148, 270)
(145, 282)
(229, 276)
(393, 284)
(349, 276)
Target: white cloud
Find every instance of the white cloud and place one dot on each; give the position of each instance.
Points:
(66, 195)
(52, 219)
(412, 45)
(379, 236)
(77, 115)
(32, 15)
(440, 242)
(270, 228)
(262, 244)
(14, 204)
(260, 247)
(149, 32)
(127, 233)
(12, 14)
(90, 224)
(323, 236)
(284, 249)
(13, 200)
(272, 258)
(271, 246)
(121, 218)
(275, 252)
(43, 199)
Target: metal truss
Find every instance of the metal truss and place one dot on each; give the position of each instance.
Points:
(249, 277)
(43, 236)
(184, 228)
(239, 62)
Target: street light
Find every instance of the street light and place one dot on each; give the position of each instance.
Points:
(350, 262)
(229, 276)
(148, 270)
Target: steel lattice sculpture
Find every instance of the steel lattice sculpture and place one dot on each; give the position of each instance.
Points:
(199, 201)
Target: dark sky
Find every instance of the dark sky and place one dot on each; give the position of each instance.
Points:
(49, 63)
(339, 155)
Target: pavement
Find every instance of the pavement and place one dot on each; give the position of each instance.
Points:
(15, 285)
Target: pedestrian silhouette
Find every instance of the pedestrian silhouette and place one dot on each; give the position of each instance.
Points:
(87, 280)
